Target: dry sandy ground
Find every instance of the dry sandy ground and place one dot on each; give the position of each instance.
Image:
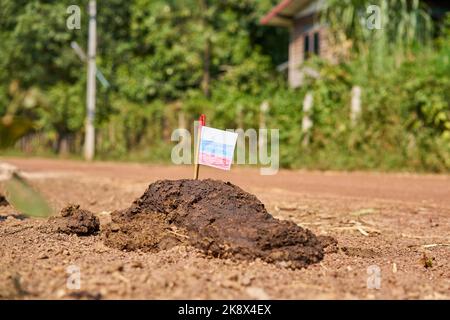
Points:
(398, 223)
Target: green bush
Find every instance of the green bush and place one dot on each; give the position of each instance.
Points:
(153, 53)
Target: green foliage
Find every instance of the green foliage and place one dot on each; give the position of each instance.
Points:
(164, 57)
(25, 199)
(404, 25)
(12, 129)
(405, 121)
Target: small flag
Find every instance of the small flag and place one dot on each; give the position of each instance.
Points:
(216, 148)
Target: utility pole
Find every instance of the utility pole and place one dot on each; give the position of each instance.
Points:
(89, 140)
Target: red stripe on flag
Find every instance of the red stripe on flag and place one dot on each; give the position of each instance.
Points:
(213, 161)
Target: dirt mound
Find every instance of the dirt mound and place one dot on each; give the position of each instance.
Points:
(149, 231)
(73, 220)
(3, 201)
(217, 217)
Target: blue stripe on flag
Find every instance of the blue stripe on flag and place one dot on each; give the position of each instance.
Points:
(217, 149)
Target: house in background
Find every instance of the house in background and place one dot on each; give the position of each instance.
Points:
(307, 35)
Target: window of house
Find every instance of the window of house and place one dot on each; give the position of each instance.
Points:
(311, 44)
(306, 52)
(316, 43)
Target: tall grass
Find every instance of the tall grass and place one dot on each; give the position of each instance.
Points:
(406, 28)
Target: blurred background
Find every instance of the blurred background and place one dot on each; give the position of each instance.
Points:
(344, 93)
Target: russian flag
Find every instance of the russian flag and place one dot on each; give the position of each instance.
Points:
(216, 148)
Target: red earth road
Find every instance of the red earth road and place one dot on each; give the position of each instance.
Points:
(399, 223)
(429, 188)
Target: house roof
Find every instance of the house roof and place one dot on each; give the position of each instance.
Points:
(286, 11)
(282, 15)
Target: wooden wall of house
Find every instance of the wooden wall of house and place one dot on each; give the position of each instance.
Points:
(302, 26)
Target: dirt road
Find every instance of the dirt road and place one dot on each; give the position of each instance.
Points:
(392, 230)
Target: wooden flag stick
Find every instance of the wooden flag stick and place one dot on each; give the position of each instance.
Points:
(201, 123)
